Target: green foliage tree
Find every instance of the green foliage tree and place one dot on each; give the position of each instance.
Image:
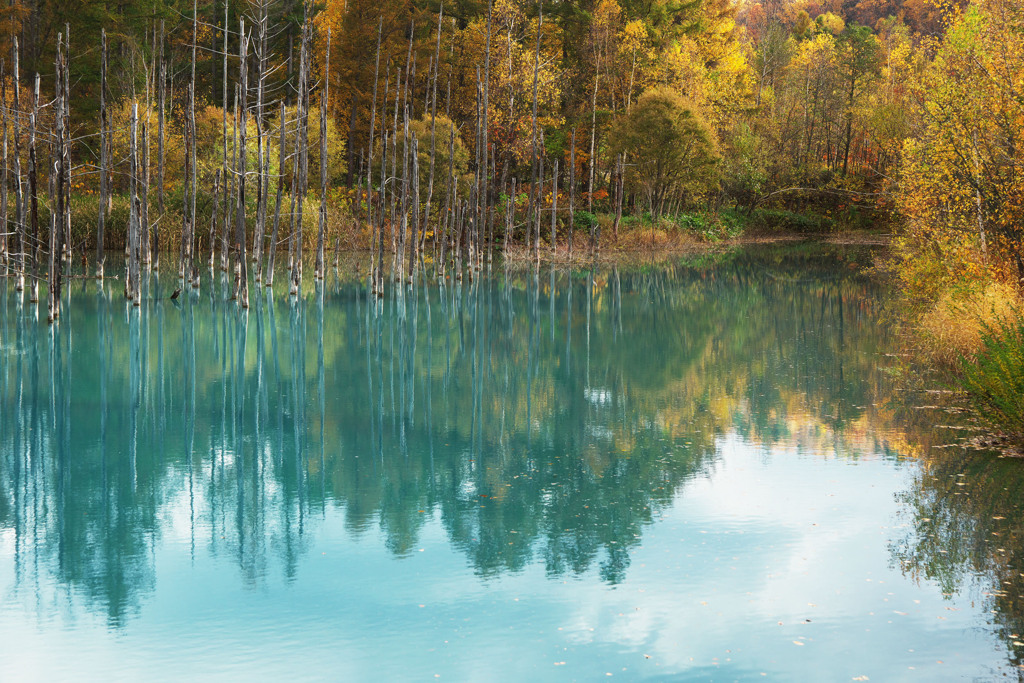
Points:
(670, 149)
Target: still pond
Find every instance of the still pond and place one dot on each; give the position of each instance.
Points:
(696, 471)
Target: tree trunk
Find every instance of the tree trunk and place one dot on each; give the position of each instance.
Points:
(241, 263)
(321, 232)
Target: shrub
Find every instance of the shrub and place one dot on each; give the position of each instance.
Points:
(777, 219)
(994, 376)
(584, 220)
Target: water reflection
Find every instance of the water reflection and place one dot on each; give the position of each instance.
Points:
(541, 416)
(964, 530)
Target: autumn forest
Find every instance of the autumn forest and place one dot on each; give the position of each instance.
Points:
(447, 131)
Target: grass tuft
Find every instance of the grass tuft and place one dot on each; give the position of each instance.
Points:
(994, 375)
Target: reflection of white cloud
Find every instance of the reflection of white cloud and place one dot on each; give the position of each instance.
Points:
(785, 538)
(767, 537)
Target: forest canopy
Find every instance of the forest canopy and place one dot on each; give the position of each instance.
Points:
(878, 112)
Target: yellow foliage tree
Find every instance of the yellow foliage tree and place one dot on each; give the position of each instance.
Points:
(962, 189)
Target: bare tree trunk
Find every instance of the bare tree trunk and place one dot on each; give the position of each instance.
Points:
(400, 253)
(277, 203)
(433, 127)
(261, 149)
(293, 286)
(193, 243)
(322, 229)
(4, 179)
(593, 141)
(486, 186)
(554, 208)
(56, 211)
(572, 188)
(185, 255)
(448, 202)
(510, 211)
(303, 143)
(213, 219)
(415, 205)
(19, 193)
(241, 262)
(533, 155)
(33, 190)
(369, 167)
(161, 92)
(65, 157)
(540, 197)
(478, 174)
(620, 189)
(131, 282)
(229, 223)
(228, 192)
(54, 247)
(144, 199)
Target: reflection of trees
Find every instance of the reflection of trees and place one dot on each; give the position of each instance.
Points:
(964, 528)
(540, 416)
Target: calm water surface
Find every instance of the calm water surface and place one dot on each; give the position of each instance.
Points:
(696, 471)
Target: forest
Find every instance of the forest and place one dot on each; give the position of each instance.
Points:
(228, 131)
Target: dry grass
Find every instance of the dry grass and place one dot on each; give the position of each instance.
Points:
(953, 326)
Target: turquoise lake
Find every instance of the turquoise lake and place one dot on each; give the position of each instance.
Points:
(701, 470)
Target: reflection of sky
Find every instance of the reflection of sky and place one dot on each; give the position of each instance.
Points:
(773, 549)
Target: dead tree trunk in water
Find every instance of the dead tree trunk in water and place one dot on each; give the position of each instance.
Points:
(319, 269)
(161, 90)
(540, 198)
(65, 154)
(104, 160)
(33, 189)
(131, 282)
(4, 258)
(620, 186)
(370, 215)
(510, 211)
(554, 208)
(213, 219)
(485, 189)
(262, 151)
(19, 193)
(303, 143)
(226, 222)
(57, 207)
(53, 250)
(277, 203)
(185, 256)
(572, 188)
(593, 140)
(533, 155)
(433, 129)
(144, 239)
(194, 244)
(415, 194)
(241, 264)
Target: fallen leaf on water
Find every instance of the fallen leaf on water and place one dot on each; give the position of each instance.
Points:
(797, 642)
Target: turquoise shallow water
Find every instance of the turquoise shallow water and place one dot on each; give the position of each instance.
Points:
(696, 471)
